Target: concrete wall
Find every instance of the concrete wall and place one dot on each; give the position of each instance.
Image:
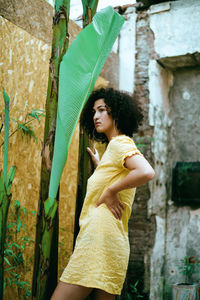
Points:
(176, 27)
(127, 50)
(182, 233)
(160, 81)
(119, 67)
(174, 111)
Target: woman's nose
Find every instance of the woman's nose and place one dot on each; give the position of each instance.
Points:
(95, 115)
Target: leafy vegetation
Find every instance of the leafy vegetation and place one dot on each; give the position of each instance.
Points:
(24, 120)
(188, 267)
(133, 292)
(11, 251)
(17, 240)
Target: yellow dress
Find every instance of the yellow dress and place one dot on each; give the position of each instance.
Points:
(101, 254)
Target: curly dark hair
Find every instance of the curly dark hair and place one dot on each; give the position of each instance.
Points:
(123, 108)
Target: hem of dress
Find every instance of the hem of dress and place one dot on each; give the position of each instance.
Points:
(94, 286)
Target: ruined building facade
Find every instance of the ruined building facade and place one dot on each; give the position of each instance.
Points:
(166, 82)
(156, 57)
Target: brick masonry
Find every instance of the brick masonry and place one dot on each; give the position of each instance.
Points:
(141, 227)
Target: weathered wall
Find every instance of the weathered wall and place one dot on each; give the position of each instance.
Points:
(127, 41)
(119, 67)
(141, 225)
(174, 113)
(183, 234)
(160, 81)
(185, 115)
(21, 14)
(39, 23)
(176, 27)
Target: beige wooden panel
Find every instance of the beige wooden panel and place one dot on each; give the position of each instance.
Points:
(24, 63)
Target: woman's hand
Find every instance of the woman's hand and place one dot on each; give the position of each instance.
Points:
(94, 156)
(113, 203)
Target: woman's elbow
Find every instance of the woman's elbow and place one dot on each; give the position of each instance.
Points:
(149, 174)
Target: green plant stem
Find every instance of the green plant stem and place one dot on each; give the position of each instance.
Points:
(89, 10)
(46, 242)
(4, 206)
(5, 196)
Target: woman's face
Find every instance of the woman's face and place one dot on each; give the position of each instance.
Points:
(103, 122)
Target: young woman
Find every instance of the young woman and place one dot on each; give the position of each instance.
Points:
(100, 258)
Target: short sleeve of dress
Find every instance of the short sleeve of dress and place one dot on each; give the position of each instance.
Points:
(123, 147)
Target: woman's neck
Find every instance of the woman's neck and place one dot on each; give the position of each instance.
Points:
(115, 132)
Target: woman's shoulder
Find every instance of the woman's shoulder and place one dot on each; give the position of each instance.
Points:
(121, 139)
(121, 143)
(121, 147)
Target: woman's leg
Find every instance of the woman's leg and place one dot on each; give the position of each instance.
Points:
(102, 295)
(65, 291)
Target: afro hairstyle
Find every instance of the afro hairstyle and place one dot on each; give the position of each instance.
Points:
(122, 107)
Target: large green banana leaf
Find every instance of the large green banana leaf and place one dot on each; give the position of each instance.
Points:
(79, 71)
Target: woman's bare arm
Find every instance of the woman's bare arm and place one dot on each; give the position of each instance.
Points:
(140, 173)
